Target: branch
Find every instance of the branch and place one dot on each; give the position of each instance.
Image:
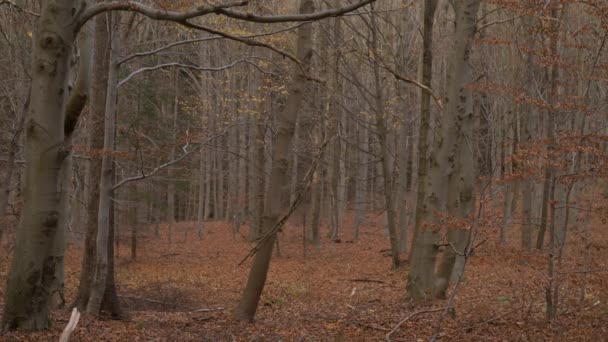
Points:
(188, 66)
(409, 80)
(243, 40)
(155, 170)
(165, 165)
(294, 205)
(204, 39)
(292, 17)
(388, 335)
(160, 14)
(19, 8)
(151, 12)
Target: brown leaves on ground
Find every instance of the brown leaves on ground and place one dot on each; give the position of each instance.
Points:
(186, 291)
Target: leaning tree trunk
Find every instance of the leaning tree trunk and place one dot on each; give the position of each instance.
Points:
(279, 179)
(40, 246)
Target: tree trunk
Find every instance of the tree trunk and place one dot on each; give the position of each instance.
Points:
(279, 179)
(362, 180)
(106, 181)
(39, 250)
(96, 114)
(460, 161)
(387, 176)
(424, 252)
(201, 195)
(527, 134)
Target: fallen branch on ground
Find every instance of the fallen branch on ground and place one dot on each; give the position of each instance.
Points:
(365, 280)
(388, 336)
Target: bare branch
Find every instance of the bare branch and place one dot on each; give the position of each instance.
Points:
(243, 40)
(305, 185)
(12, 4)
(204, 39)
(293, 17)
(151, 12)
(388, 335)
(181, 65)
(160, 14)
(144, 175)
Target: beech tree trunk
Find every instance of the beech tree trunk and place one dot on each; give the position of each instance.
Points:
(96, 114)
(107, 180)
(387, 174)
(52, 116)
(279, 179)
(424, 253)
(461, 179)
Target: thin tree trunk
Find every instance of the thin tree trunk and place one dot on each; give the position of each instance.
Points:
(96, 114)
(387, 176)
(424, 253)
(201, 195)
(107, 179)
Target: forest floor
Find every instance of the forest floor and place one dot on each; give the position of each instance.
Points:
(186, 291)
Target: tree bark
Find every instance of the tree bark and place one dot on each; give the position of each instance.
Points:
(461, 164)
(387, 174)
(107, 180)
(39, 250)
(96, 113)
(423, 253)
(279, 179)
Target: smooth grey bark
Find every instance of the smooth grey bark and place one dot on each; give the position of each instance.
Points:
(13, 147)
(334, 114)
(386, 169)
(361, 180)
(258, 175)
(96, 115)
(201, 195)
(279, 178)
(527, 136)
(107, 180)
(37, 264)
(461, 176)
(401, 189)
(424, 253)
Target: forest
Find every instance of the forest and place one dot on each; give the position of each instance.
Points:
(303, 170)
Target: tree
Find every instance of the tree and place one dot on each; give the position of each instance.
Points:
(450, 182)
(276, 198)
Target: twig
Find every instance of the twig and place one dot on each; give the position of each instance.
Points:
(17, 7)
(208, 309)
(388, 336)
(148, 300)
(364, 280)
(492, 319)
(299, 196)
